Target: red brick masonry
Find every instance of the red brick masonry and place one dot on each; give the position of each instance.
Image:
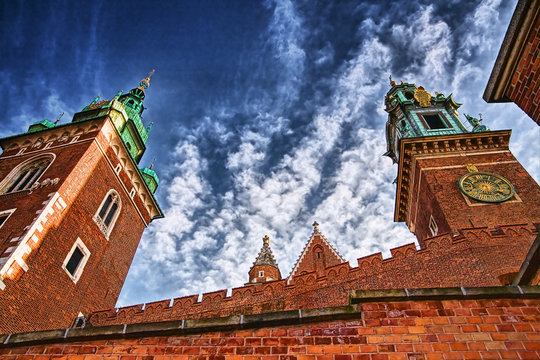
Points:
(525, 85)
(477, 257)
(431, 324)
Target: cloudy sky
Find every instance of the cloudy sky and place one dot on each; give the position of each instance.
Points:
(267, 115)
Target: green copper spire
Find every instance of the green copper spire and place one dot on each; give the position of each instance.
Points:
(414, 112)
(130, 125)
(150, 177)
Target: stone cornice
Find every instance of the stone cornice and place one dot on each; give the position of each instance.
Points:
(413, 148)
(291, 317)
(514, 41)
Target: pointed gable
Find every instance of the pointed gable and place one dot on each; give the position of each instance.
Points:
(318, 254)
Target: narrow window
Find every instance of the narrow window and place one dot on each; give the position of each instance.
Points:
(76, 260)
(4, 215)
(433, 226)
(80, 321)
(105, 206)
(434, 121)
(26, 174)
(108, 212)
(261, 273)
(3, 218)
(111, 214)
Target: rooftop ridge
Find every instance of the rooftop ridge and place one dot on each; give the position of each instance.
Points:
(371, 272)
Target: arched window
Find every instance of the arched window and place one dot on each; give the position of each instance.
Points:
(26, 174)
(108, 212)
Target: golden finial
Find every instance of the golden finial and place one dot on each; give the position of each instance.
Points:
(58, 118)
(266, 240)
(151, 166)
(145, 83)
(316, 226)
(392, 82)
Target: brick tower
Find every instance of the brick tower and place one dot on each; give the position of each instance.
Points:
(265, 267)
(73, 206)
(451, 178)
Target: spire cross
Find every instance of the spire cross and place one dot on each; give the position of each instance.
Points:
(316, 226)
(58, 118)
(145, 83)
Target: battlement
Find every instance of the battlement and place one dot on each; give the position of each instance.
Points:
(470, 258)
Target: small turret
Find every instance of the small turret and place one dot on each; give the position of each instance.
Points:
(265, 267)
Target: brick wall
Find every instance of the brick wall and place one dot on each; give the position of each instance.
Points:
(524, 88)
(499, 328)
(43, 296)
(268, 272)
(436, 192)
(475, 258)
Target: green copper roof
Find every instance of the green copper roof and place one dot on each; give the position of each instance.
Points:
(130, 125)
(151, 178)
(40, 125)
(414, 112)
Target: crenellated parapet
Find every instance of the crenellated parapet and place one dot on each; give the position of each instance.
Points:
(468, 258)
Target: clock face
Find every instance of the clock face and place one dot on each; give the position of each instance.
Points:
(486, 187)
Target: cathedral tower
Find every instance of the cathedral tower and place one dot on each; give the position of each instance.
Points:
(449, 177)
(73, 206)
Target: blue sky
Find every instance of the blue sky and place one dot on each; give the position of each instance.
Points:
(267, 115)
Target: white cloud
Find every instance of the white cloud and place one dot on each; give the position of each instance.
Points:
(334, 173)
(427, 41)
(286, 39)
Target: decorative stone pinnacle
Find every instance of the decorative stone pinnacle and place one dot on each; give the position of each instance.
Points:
(265, 256)
(315, 226)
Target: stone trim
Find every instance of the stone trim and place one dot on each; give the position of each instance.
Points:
(464, 293)
(530, 267)
(291, 317)
(182, 327)
(511, 50)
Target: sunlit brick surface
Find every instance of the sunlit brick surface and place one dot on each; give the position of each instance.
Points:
(430, 330)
